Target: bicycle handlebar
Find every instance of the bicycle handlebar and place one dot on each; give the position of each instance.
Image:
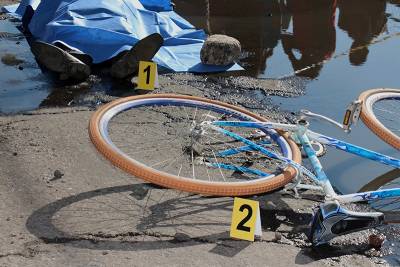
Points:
(307, 113)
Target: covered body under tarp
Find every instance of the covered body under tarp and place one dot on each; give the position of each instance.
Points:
(104, 28)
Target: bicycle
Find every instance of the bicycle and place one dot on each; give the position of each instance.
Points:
(213, 148)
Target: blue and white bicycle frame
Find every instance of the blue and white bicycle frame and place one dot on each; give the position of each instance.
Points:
(332, 219)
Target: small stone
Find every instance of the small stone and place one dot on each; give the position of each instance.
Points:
(220, 50)
(180, 237)
(278, 236)
(20, 68)
(104, 253)
(8, 219)
(286, 241)
(58, 174)
(281, 217)
(373, 253)
(376, 240)
(156, 234)
(15, 154)
(299, 242)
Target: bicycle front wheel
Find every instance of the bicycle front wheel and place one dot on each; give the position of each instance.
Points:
(161, 139)
(380, 112)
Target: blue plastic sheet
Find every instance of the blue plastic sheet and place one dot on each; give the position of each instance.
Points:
(104, 28)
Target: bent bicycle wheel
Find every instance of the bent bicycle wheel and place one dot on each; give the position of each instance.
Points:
(380, 112)
(389, 206)
(162, 139)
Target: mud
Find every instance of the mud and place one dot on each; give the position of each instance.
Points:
(11, 60)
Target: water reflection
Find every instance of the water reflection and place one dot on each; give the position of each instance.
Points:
(256, 23)
(362, 20)
(305, 28)
(387, 180)
(278, 36)
(314, 35)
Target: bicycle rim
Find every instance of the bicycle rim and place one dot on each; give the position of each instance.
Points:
(380, 112)
(157, 138)
(390, 206)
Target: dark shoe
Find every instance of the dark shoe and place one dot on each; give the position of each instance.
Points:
(27, 17)
(57, 60)
(143, 50)
(85, 58)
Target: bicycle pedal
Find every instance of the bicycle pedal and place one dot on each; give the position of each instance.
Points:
(352, 115)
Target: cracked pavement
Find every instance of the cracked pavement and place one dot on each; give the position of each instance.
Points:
(96, 215)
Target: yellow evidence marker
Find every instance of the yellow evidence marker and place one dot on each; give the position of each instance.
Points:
(246, 222)
(147, 76)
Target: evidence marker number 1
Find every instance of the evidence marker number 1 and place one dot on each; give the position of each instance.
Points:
(147, 76)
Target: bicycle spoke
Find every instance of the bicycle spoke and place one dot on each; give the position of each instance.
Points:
(170, 137)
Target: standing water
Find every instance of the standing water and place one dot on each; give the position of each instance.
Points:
(342, 47)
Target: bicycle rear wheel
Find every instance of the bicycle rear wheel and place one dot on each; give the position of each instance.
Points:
(159, 138)
(380, 112)
(390, 206)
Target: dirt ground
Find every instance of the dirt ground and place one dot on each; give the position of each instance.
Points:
(63, 204)
(95, 215)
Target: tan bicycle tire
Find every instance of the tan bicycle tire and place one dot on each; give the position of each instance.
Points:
(171, 181)
(373, 123)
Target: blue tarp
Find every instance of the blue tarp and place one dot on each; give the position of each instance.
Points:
(104, 28)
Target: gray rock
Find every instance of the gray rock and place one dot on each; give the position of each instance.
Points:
(220, 50)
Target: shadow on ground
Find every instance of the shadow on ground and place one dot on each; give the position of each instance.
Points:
(143, 217)
(141, 220)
